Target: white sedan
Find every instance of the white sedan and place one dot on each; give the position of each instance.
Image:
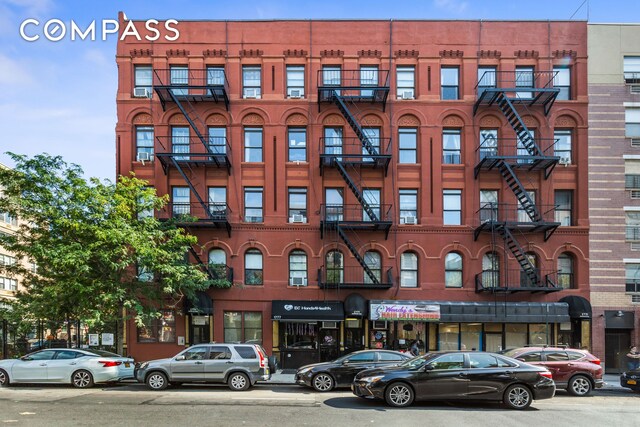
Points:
(82, 368)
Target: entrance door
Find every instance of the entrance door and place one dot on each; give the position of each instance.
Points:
(328, 344)
(199, 331)
(493, 341)
(616, 346)
(354, 339)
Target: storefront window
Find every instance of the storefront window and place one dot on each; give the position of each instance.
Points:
(448, 336)
(162, 329)
(243, 327)
(299, 335)
(409, 332)
(470, 336)
(539, 334)
(515, 335)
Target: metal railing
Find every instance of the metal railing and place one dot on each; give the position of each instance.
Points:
(220, 272)
(354, 276)
(352, 148)
(632, 233)
(355, 213)
(365, 79)
(214, 211)
(215, 145)
(191, 81)
(513, 213)
(519, 81)
(516, 279)
(509, 147)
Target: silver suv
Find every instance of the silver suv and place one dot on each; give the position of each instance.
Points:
(237, 365)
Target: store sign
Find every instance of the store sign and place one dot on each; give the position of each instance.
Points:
(307, 310)
(420, 312)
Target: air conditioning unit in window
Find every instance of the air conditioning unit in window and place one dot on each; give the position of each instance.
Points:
(329, 325)
(634, 88)
(251, 93)
(635, 142)
(406, 94)
(253, 219)
(408, 220)
(565, 161)
(144, 157)
(298, 281)
(296, 93)
(142, 92)
(297, 218)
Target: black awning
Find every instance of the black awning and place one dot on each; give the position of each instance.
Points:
(307, 310)
(355, 306)
(619, 319)
(579, 308)
(201, 304)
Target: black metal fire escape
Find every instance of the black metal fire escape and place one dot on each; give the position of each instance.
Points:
(185, 88)
(508, 91)
(349, 157)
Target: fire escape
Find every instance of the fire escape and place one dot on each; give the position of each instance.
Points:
(510, 223)
(350, 156)
(192, 153)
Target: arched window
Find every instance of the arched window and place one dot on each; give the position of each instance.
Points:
(409, 270)
(298, 268)
(335, 267)
(373, 260)
(565, 271)
(525, 280)
(490, 270)
(218, 263)
(453, 270)
(253, 274)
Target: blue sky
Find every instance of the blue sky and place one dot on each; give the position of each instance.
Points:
(60, 97)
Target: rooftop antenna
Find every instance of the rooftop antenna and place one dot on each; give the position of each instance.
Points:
(580, 7)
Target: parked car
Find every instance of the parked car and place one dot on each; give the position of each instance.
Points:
(631, 379)
(576, 371)
(238, 365)
(457, 376)
(340, 372)
(81, 368)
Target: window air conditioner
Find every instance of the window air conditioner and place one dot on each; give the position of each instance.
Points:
(141, 92)
(408, 220)
(250, 93)
(143, 157)
(329, 325)
(297, 218)
(635, 142)
(634, 89)
(407, 94)
(298, 281)
(565, 161)
(295, 93)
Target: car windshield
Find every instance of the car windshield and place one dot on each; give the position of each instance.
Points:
(102, 353)
(418, 362)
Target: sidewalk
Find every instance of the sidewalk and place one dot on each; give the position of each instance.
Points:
(278, 378)
(612, 382)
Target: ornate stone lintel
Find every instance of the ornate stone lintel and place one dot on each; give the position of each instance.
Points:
(177, 53)
(526, 54)
(140, 53)
(208, 53)
(406, 53)
(564, 54)
(489, 54)
(295, 53)
(451, 53)
(251, 53)
(331, 53)
(370, 53)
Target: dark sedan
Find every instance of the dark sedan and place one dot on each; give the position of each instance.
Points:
(340, 372)
(631, 379)
(457, 375)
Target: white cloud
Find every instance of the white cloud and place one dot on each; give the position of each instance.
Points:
(13, 73)
(453, 6)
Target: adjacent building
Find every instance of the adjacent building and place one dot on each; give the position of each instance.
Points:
(367, 183)
(614, 189)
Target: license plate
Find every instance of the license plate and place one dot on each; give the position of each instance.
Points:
(632, 382)
(127, 364)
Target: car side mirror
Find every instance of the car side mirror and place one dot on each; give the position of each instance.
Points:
(428, 367)
(520, 359)
(345, 362)
(181, 357)
(25, 358)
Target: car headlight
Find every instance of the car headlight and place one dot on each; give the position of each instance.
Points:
(303, 371)
(624, 375)
(372, 380)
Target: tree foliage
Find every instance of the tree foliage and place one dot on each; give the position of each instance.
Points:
(86, 238)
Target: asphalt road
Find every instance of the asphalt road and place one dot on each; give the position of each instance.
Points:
(271, 405)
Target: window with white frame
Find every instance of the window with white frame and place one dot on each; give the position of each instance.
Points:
(297, 268)
(295, 81)
(215, 75)
(449, 83)
(251, 81)
(562, 146)
(144, 143)
(373, 260)
(253, 145)
(179, 76)
(409, 270)
(253, 211)
(180, 202)
(451, 147)
(180, 141)
(408, 202)
(408, 145)
(297, 204)
(632, 122)
(564, 207)
(143, 79)
(453, 270)
(452, 207)
(631, 66)
(253, 274)
(562, 81)
(406, 82)
(8, 284)
(297, 138)
(486, 78)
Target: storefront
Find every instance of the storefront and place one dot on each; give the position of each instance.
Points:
(453, 325)
(306, 331)
(577, 332)
(199, 319)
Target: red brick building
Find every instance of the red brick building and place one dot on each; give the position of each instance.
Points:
(367, 183)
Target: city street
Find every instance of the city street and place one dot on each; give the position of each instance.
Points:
(283, 405)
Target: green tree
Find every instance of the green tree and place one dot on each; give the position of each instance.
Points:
(90, 240)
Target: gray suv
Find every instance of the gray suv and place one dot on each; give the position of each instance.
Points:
(237, 365)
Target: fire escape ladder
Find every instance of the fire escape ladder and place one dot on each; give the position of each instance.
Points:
(352, 248)
(519, 254)
(514, 119)
(355, 190)
(521, 194)
(342, 106)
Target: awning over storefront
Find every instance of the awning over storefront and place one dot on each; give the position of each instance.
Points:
(579, 307)
(485, 312)
(307, 310)
(355, 306)
(201, 305)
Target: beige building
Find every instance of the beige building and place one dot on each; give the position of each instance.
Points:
(614, 189)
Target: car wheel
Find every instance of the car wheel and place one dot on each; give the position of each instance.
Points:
(82, 379)
(517, 396)
(579, 386)
(4, 379)
(323, 382)
(238, 382)
(157, 381)
(399, 395)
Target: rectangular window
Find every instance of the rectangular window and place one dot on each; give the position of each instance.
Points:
(373, 136)
(452, 207)
(243, 326)
(562, 81)
(144, 143)
(8, 284)
(333, 142)
(562, 146)
(406, 82)
(7, 259)
(539, 334)
(253, 145)
(161, 329)
(488, 143)
(449, 82)
(331, 75)
(297, 144)
(407, 145)
(251, 81)
(632, 69)
(372, 197)
(368, 77)
(632, 122)
(334, 200)
(217, 140)
(218, 202)
(524, 149)
(524, 79)
(409, 270)
(8, 219)
(143, 81)
(488, 205)
(180, 201)
(297, 204)
(145, 207)
(180, 141)
(179, 75)
(408, 201)
(451, 147)
(632, 277)
(564, 207)
(215, 75)
(523, 216)
(295, 81)
(253, 211)
(486, 79)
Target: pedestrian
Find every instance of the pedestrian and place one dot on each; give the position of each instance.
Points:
(633, 358)
(414, 350)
